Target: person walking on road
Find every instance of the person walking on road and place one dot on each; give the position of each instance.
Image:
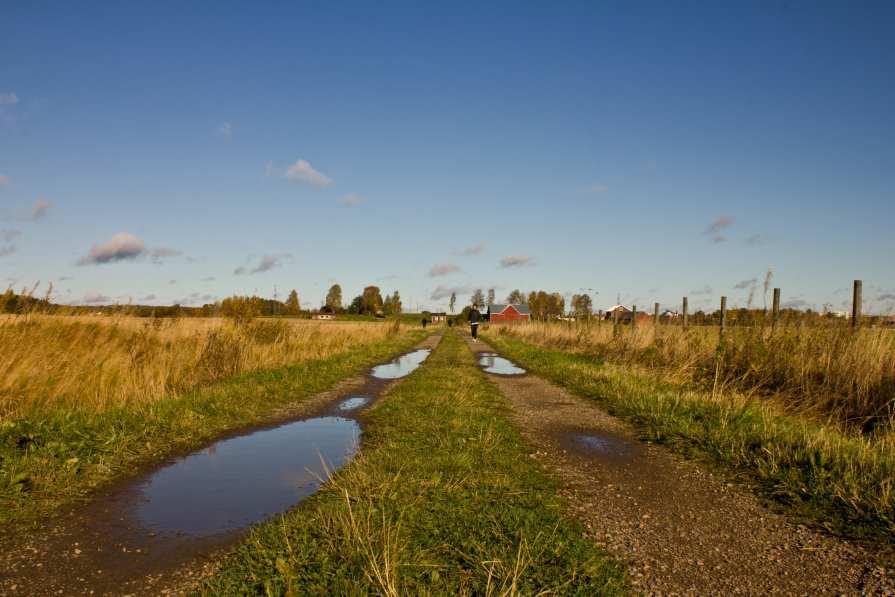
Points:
(474, 318)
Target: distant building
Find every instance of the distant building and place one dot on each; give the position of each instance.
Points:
(322, 315)
(508, 313)
(624, 314)
(439, 317)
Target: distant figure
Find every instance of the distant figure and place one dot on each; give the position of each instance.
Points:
(424, 323)
(450, 323)
(474, 318)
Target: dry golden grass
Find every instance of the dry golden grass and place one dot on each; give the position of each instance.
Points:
(827, 372)
(81, 362)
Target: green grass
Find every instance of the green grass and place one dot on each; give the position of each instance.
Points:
(442, 499)
(55, 459)
(843, 482)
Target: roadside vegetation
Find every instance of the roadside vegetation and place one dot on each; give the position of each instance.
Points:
(441, 499)
(84, 400)
(757, 421)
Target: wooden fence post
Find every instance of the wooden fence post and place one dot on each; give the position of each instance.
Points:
(656, 314)
(684, 319)
(856, 304)
(723, 317)
(633, 316)
(615, 323)
(775, 310)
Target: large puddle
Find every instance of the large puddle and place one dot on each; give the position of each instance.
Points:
(491, 363)
(237, 482)
(401, 366)
(601, 444)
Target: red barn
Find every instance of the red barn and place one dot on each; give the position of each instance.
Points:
(508, 313)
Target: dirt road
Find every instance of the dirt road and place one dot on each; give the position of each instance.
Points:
(682, 529)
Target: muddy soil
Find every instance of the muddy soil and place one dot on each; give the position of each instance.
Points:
(100, 548)
(682, 529)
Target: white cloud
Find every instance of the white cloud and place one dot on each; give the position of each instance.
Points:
(7, 250)
(441, 269)
(301, 171)
(4, 180)
(266, 263)
(122, 246)
(350, 199)
(37, 212)
(225, 129)
(516, 259)
(474, 250)
(720, 224)
(95, 297)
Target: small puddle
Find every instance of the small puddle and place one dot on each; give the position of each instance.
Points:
(237, 482)
(492, 363)
(600, 444)
(401, 366)
(353, 403)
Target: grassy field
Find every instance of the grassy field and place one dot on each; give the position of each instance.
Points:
(831, 477)
(64, 363)
(62, 437)
(442, 499)
(830, 373)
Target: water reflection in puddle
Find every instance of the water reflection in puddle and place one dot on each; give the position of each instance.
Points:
(596, 444)
(246, 479)
(402, 365)
(492, 363)
(355, 402)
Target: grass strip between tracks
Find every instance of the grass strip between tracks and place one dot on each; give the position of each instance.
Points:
(441, 499)
(823, 476)
(50, 462)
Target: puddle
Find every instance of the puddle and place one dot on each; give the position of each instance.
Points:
(598, 444)
(401, 366)
(353, 403)
(492, 363)
(243, 480)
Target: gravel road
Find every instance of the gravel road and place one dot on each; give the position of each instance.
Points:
(682, 529)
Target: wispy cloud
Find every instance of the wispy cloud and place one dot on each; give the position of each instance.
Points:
(714, 229)
(121, 247)
(9, 233)
(441, 269)
(7, 250)
(158, 253)
(7, 100)
(444, 292)
(746, 283)
(350, 199)
(702, 291)
(148, 297)
(92, 297)
(473, 250)
(124, 246)
(516, 259)
(267, 262)
(225, 129)
(36, 212)
(886, 297)
(302, 171)
(760, 239)
(594, 189)
(4, 180)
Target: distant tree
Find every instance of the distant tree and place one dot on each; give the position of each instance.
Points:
(292, 306)
(356, 305)
(453, 302)
(334, 298)
(581, 305)
(371, 300)
(516, 297)
(477, 297)
(241, 309)
(397, 307)
(556, 305)
(490, 296)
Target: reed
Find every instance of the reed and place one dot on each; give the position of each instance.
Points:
(55, 362)
(830, 373)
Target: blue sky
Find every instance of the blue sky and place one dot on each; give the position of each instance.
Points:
(171, 152)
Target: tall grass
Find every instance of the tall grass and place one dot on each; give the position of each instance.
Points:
(50, 362)
(831, 373)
